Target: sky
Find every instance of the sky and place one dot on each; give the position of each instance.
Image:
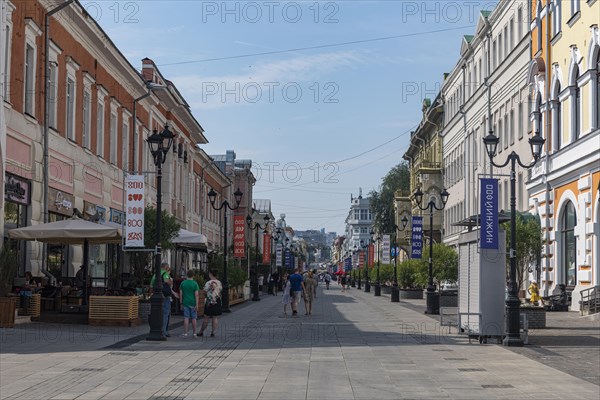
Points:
(321, 96)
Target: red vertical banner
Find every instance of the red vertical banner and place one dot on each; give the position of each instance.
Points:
(239, 237)
(371, 256)
(267, 248)
(361, 259)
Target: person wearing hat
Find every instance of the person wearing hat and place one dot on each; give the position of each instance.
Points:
(534, 292)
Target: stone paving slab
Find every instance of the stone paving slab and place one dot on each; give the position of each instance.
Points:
(355, 346)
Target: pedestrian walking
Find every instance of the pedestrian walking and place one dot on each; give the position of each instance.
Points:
(212, 305)
(343, 282)
(286, 298)
(189, 290)
(327, 279)
(310, 292)
(297, 287)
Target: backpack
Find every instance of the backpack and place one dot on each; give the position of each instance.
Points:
(167, 290)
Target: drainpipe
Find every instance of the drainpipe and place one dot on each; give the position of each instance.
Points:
(489, 93)
(466, 174)
(548, 146)
(47, 112)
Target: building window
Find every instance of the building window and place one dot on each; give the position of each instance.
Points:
(538, 117)
(100, 128)
(556, 18)
(506, 43)
(125, 137)
(113, 138)
(507, 129)
(357, 214)
(511, 129)
(7, 53)
(500, 134)
(520, 120)
(576, 104)
(520, 190)
(598, 90)
(538, 24)
(52, 94)
(363, 214)
(569, 246)
(511, 34)
(70, 123)
(520, 22)
(87, 117)
(574, 7)
(557, 119)
(494, 55)
(29, 79)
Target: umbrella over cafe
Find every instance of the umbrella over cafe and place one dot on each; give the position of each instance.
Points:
(72, 231)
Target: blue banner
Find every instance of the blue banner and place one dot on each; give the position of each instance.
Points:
(348, 264)
(417, 237)
(489, 213)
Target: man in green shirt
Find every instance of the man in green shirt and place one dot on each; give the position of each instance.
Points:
(189, 301)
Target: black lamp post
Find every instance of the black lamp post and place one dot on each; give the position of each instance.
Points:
(159, 144)
(433, 302)
(377, 283)
(359, 283)
(256, 226)
(513, 337)
(366, 249)
(212, 196)
(395, 289)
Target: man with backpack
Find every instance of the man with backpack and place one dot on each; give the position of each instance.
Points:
(327, 279)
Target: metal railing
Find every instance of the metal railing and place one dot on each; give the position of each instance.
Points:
(590, 301)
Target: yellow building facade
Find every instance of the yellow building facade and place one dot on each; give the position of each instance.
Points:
(564, 187)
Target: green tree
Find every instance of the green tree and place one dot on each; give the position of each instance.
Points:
(141, 261)
(445, 265)
(529, 244)
(382, 201)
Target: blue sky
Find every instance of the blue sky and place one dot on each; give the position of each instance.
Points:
(328, 117)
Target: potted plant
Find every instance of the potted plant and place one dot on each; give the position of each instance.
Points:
(8, 269)
(410, 287)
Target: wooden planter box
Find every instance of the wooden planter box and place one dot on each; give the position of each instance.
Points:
(114, 311)
(411, 294)
(35, 305)
(8, 306)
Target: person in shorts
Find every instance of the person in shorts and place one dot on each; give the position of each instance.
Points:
(189, 290)
(296, 289)
(212, 305)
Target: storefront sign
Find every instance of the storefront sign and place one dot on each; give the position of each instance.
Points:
(60, 202)
(16, 190)
(348, 264)
(135, 204)
(361, 259)
(489, 213)
(239, 236)
(371, 262)
(267, 248)
(288, 258)
(417, 237)
(385, 249)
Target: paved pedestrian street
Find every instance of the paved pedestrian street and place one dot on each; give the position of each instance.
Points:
(354, 346)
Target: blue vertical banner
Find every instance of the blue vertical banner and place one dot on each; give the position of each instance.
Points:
(348, 264)
(417, 237)
(488, 199)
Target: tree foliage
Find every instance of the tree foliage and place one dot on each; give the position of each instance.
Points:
(529, 244)
(445, 265)
(382, 200)
(141, 261)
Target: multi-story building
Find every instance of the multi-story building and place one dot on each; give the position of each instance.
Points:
(94, 115)
(6, 9)
(359, 223)
(564, 79)
(486, 92)
(425, 157)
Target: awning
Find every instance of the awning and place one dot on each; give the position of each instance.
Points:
(190, 240)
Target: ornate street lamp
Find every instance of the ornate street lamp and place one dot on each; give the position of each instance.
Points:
(256, 226)
(159, 144)
(395, 288)
(225, 206)
(365, 247)
(512, 323)
(377, 283)
(433, 302)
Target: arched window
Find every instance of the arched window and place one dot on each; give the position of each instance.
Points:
(598, 89)
(569, 245)
(538, 123)
(576, 100)
(557, 122)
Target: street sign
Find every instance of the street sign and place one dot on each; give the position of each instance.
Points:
(134, 208)
(417, 237)
(394, 251)
(385, 250)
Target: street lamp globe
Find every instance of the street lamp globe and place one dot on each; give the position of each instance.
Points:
(418, 196)
(212, 196)
(491, 144)
(404, 221)
(537, 144)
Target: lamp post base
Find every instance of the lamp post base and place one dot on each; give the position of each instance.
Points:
(367, 287)
(395, 294)
(433, 302)
(513, 322)
(377, 287)
(255, 296)
(155, 319)
(359, 285)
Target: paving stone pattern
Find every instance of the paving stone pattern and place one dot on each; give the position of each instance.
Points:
(354, 346)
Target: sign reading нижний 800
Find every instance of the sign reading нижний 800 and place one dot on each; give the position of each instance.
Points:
(417, 237)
